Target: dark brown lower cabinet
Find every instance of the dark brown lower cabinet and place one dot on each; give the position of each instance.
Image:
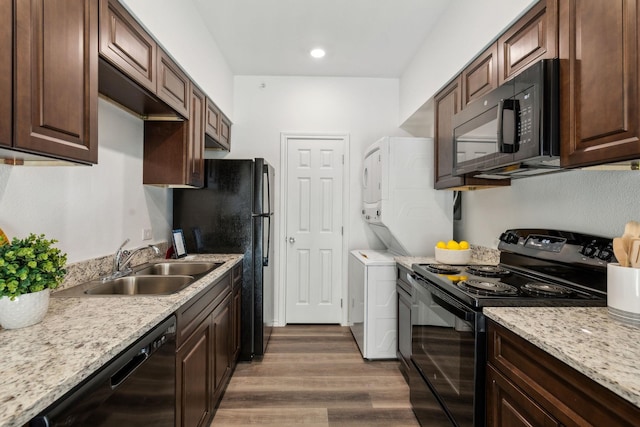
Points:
(510, 407)
(236, 305)
(205, 356)
(526, 386)
(222, 344)
(193, 378)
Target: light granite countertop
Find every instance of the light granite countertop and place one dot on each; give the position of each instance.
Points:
(41, 363)
(587, 339)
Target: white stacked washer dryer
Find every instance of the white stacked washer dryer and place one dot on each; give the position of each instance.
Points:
(409, 216)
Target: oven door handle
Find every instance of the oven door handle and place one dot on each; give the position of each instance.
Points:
(454, 308)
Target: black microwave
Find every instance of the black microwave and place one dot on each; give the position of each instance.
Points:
(512, 131)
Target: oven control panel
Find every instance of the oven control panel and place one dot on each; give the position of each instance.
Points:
(562, 246)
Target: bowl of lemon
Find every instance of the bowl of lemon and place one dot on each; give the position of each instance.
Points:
(453, 252)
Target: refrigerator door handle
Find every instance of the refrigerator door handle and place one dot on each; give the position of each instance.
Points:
(265, 260)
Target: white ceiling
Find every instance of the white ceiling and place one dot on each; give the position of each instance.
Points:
(363, 38)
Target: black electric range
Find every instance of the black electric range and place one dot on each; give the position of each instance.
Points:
(537, 268)
(448, 328)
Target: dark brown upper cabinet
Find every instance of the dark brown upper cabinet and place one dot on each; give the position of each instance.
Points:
(481, 75)
(218, 128)
(599, 81)
(138, 74)
(125, 44)
(173, 84)
(213, 120)
(174, 149)
(195, 146)
(447, 102)
(49, 102)
(531, 38)
(135, 71)
(6, 73)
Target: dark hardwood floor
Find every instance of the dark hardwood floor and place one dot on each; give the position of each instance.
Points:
(314, 375)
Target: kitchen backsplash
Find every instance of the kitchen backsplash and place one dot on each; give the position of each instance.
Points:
(484, 255)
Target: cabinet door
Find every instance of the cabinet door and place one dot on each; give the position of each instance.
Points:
(236, 306)
(507, 406)
(599, 81)
(194, 397)
(125, 44)
(222, 344)
(195, 147)
(481, 75)
(531, 38)
(213, 120)
(225, 132)
(6, 72)
(447, 103)
(173, 85)
(56, 78)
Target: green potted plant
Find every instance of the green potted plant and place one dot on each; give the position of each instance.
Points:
(29, 268)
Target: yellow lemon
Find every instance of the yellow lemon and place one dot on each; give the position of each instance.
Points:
(464, 244)
(452, 244)
(441, 245)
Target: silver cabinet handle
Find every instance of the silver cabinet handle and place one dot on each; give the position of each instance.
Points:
(292, 240)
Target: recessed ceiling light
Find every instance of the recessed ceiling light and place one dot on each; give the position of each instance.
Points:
(317, 53)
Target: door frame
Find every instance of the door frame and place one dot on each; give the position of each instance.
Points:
(280, 296)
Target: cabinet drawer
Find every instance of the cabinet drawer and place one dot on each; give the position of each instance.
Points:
(125, 44)
(195, 311)
(173, 84)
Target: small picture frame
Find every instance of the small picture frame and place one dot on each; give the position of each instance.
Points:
(179, 246)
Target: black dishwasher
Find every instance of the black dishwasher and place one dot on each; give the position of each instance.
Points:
(136, 388)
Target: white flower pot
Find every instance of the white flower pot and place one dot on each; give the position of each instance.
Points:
(24, 310)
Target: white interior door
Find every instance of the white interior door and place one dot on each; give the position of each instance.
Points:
(314, 230)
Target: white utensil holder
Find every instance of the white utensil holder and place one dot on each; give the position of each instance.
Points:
(623, 293)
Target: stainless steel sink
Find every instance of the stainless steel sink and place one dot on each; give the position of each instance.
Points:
(156, 278)
(141, 285)
(178, 268)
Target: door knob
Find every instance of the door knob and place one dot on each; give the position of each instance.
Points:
(292, 240)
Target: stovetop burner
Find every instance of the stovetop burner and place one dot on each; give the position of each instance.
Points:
(487, 270)
(442, 268)
(541, 289)
(481, 287)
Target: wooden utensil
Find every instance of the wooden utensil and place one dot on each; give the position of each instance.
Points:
(632, 228)
(634, 254)
(620, 251)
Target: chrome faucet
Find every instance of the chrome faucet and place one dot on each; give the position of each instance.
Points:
(123, 257)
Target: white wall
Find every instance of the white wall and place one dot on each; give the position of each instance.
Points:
(89, 209)
(365, 109)
(178, 26)
(462, 32)
(597, 202)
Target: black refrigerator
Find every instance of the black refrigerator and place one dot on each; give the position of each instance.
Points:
(233, 213)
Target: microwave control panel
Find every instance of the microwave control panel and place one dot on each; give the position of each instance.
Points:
(525, 131)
